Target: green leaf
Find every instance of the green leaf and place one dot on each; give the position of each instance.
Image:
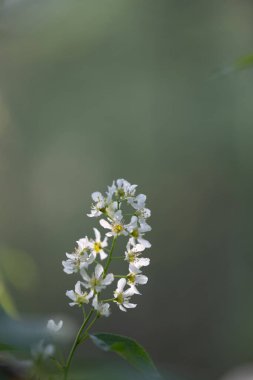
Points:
(129, 350)
(6, 347)
(6, 300)
(244, 62)
(57, 363)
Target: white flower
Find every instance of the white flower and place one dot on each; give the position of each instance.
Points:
(138, 202)
(124, 189)
(82, 245)
(111, 209)
(78, 296)
(80, 258)
(102, 205)
(137, 230)
(132, 255)
(42, 351)
(111, 191)
(96, 246)
(99, 207)
(143, 214)
(116, 226)
(97, 281)
(54, 327)
(122, 297)
(115, 204)
(135, 278)
(76, 261)
(72, 265)
(103, 309)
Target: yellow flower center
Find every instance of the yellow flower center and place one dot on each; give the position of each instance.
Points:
(119, 298)
(97, 247)
(82, 299)
(94, 282)
(131, 278)
(131, 257)
(135, 233)
(121, 193)
(117, 228)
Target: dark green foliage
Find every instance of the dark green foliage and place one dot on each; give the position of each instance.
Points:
(129, 350)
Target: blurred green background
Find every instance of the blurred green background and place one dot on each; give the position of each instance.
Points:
(93, 90)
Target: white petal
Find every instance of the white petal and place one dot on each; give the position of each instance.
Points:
(67, 267)
(135, 290)
(108, 279)
(84, 275)
(144, 242)
(68, 271)
(142, 262)
(71, 256)
(78, 289)
(138, 248)
(54, 327)
(146, 213)
(118, 215)
(105, 310)
(141, 279)
(129, 292)
(90, 259)
(83, 243)
(120, 182)
(97, 234)
(99, 270)
(71, 294)
(129, 305)
(121, 284)
(138, 202)
(103, 255)
(90, 294)
(132, 241)
(104, 243)
(133, 269)
(49, 350)
(94, 213)
(51, 324)
(141, 197)
(122, 308)
(96, 196)
(105, 224)
(144, 227)
(134, 221)
(99, 287)
(95, 302)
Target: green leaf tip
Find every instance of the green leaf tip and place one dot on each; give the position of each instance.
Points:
(244, 62)
(129, 350)
(6, 347)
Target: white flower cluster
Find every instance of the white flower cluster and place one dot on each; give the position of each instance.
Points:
(92, 257)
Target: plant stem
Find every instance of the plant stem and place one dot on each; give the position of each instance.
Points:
(108, 300)
(79, 337)
(75, 344)
(110, 256)
(85, 335)
(120, 276)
